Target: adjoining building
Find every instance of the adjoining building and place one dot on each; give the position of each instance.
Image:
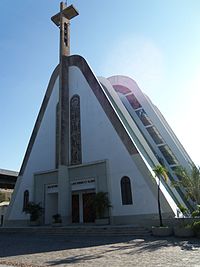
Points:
(7, 182)
(8, 179)
(3, 208)
(91, 135)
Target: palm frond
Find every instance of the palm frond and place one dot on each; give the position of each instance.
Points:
(190, 181)
(160, 171)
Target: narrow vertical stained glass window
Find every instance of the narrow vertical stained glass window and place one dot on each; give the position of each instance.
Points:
(75, 130)
(126, 191)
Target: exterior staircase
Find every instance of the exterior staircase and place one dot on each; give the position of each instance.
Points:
(105, 230)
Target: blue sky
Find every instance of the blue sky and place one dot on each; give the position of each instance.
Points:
(156, 42)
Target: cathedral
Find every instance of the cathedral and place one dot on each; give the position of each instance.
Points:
(96, 135)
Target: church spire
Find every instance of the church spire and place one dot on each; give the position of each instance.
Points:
(62, 20)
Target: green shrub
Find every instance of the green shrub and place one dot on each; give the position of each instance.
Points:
(35, 211)
(189, 181)
(101, 204)
(184, 210)
(57, 218)
(196, 213)
(196, 227)
(188, 226)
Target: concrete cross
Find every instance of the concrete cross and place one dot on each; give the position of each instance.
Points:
(62, 20)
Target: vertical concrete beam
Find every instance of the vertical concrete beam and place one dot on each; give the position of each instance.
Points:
(64, 89)
(64, 195)
(64, 115)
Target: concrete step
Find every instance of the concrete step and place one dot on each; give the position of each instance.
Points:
(76, 230)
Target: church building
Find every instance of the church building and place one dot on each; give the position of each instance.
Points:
(96, 135)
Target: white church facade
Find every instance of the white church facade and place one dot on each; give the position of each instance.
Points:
(96, 135)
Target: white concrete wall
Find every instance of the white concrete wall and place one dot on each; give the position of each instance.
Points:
(42, 157)
(51, 207)
(100, 141)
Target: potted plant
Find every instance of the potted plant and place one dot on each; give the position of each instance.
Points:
(101, 205)
(161, 230)
(57, 220)
(183, 229)
(35, 211)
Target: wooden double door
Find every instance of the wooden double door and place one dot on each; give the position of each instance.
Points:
(83, 207)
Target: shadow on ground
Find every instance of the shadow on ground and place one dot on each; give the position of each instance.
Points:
(130, 246)
(23, 244)
(74, 259)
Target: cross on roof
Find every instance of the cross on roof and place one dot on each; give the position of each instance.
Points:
(62, 20)
(68, 12)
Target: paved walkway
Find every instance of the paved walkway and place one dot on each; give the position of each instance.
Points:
(45, 250)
